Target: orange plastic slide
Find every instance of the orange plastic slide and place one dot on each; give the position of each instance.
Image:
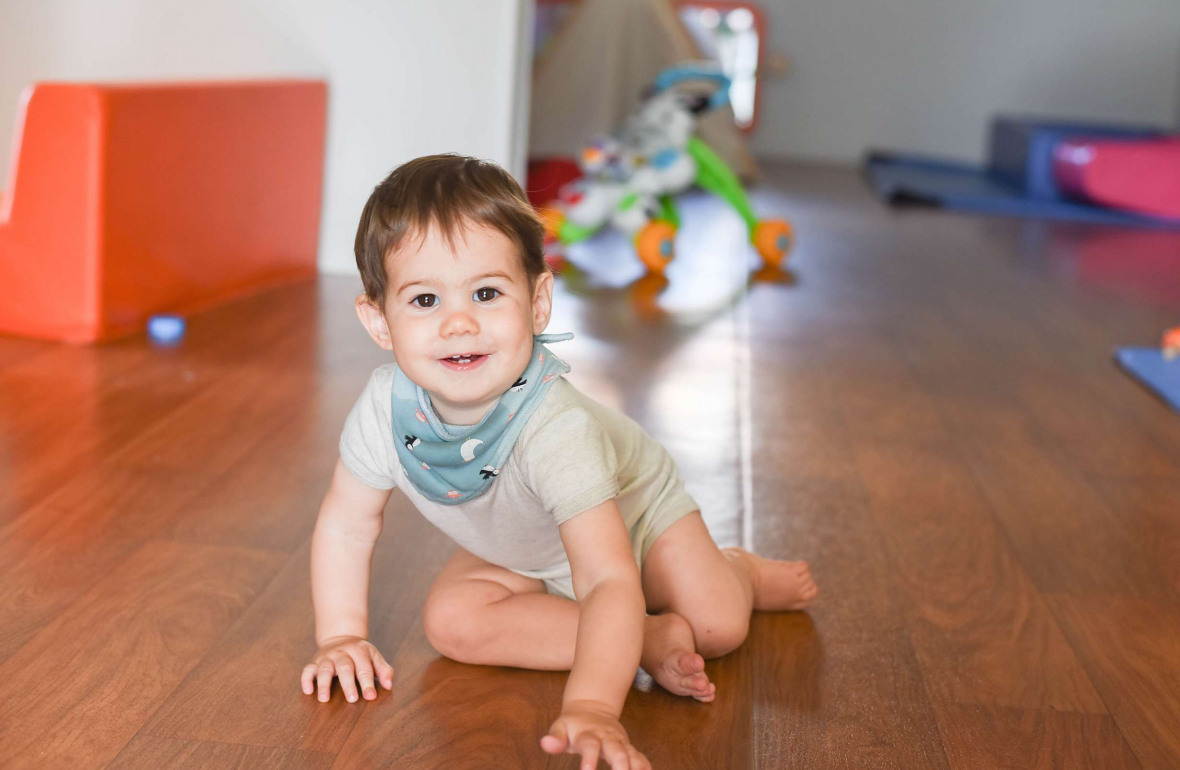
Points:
(130, 200)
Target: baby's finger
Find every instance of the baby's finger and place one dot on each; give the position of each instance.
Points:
(323, 675)
(345, 673)
(556, 741)
(307, 680)
(616, 756)
(364, 675)
(384, 670)
(638, 761)
(588, 748)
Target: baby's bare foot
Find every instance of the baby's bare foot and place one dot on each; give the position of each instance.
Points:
(682, 672)
(778, 585)
(675, 666)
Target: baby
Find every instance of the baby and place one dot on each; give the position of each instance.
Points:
(579, 548)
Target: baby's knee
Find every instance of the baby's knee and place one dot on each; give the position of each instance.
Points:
(452, 628)
(720, 631)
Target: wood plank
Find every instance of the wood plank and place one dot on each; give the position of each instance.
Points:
(840, 685)
(148, 752)
(1131, 649)
(1068, 539)
(270, 496)
(1148, 508)
(194, 435)
(1022, 453)
(15, 350)
(77, 693)
(1080, 406)
(173, 481)
(448, 714)
(246, 689)
(75, 404)
(50, 555)
(981, 631)
(1054, 353)
(981, 737)
(975, 620)
(53, 409)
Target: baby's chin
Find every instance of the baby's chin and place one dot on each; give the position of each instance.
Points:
(469, 406)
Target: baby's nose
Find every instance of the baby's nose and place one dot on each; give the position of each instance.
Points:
(459, 322)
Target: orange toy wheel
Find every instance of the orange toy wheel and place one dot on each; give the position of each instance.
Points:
(655, 244)
(772, 238)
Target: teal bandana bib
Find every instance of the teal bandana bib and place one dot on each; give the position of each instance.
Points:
(452, 466)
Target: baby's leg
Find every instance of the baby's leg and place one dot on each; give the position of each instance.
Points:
(777, 585)
(479, 613)
(685, 572)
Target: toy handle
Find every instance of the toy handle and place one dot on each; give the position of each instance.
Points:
(683, 72)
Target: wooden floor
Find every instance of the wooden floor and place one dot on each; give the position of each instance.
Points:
(926, 410)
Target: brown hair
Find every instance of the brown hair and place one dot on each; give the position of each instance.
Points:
(448, 191)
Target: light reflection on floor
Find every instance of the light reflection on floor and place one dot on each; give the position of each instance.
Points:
(682, 372)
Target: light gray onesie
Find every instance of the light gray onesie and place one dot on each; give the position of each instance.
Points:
(572, 455)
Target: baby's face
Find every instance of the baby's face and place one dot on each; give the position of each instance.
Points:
(461, 322)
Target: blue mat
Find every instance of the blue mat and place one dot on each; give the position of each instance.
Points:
(1147, 365)
(915, 180)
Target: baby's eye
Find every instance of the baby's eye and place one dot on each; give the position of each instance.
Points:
(486, 294)
(424, 300)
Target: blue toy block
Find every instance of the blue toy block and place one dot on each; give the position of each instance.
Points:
(1154, 372)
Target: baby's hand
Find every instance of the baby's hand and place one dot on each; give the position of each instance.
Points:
(589, 728)
(344, 657)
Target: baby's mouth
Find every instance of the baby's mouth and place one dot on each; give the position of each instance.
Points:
(463, 361)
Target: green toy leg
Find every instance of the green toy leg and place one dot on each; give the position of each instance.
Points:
(716, 177)
(668, 211)
(571, 233)
(771, 237)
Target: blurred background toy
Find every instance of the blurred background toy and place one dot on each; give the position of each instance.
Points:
(630, 178)
(1157, 369)
(166, 330)
(1171, 343)
(1048, 168)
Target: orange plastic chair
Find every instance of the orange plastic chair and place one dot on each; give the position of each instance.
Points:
(131, 200)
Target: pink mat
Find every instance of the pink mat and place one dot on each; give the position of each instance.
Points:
(1142, 176)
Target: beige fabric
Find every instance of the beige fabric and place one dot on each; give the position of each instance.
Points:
(592, 75)
(573, 454)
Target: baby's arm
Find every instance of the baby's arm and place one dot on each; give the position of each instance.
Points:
(609, 640)
(346, 532)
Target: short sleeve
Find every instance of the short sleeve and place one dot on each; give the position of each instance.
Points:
(366, 443)
(570, 464)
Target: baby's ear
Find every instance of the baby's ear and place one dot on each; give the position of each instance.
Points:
(542, 301)
(374, 322)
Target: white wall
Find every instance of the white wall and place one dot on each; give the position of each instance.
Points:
(926, 75)
(405, 77)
